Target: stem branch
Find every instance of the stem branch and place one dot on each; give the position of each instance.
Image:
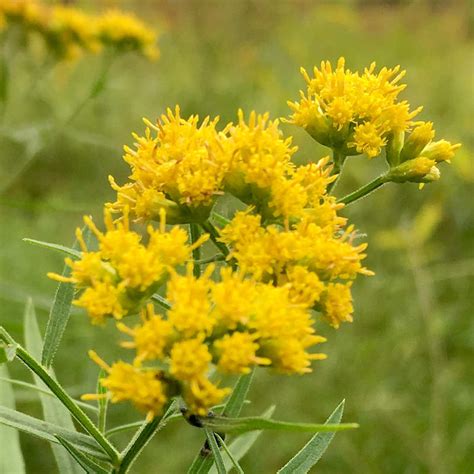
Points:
(364, 190)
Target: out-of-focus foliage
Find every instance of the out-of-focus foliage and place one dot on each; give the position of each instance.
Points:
(405, 367)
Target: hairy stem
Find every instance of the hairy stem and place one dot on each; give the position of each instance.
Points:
(364, 190)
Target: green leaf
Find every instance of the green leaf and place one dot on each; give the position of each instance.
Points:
(7, 352)
(53, 411)
(234, 461)
(236, 400)
(9, 438)
(49, 431)
(85, 462)
(242, 425)
(203, 463)
(60, 248)
(211, 439)
(102, 404)
(312, 451)
(48, 392)
(161, 301)
(60, 312)
(242, 444)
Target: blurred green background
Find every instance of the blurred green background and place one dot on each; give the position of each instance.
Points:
(405, 367)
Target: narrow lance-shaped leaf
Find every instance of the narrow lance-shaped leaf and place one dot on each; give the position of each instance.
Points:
(9, 439)
(230, 456)
(84, 461)
(72, 252)
(48, 431)
(102, 403)
(60, 312)
(236, 400)
(211, 439)
(202, 463)
(48, 392)
(241, 425)
(240, 446)
(53, 411)
(311, 453)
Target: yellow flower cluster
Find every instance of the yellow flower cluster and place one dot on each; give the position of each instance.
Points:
(187, 166)
(69, 32)
(287, 257)
(124, 273)
(350, 111)
(234, 324)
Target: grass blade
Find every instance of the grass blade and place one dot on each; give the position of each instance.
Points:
(86, 463)
(48, 432)
(241, 445)
(311, 453)
(60, 312)
(211, 439)
(242, 425)
(9, 438)
(53, 410)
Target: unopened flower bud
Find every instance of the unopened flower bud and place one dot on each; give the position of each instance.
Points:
(393, 148)
(442, 150)
(417, 141)
(418, 170)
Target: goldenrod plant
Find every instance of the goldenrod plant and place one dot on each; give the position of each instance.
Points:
(199, 295)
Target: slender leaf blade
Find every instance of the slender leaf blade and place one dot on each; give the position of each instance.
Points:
(60, 312)
(48, 431)
(53, 411)
(312, 451)
(242, 425)
(85, 462)
(49, 245)
(233, 460)
(241, 445)
(202, 463)
(219, 462)
(9, 438)
(236, 400)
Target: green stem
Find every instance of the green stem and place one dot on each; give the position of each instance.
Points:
(97, 87)
(140, 440)
(195, 233)
(364, 190)
(214, 234)
(62, 396)
(338, 161)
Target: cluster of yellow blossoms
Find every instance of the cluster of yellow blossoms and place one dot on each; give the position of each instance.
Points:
(69, 32)
(355, 113)
(287, 256)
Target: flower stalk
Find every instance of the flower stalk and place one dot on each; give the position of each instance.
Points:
(364, 190)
